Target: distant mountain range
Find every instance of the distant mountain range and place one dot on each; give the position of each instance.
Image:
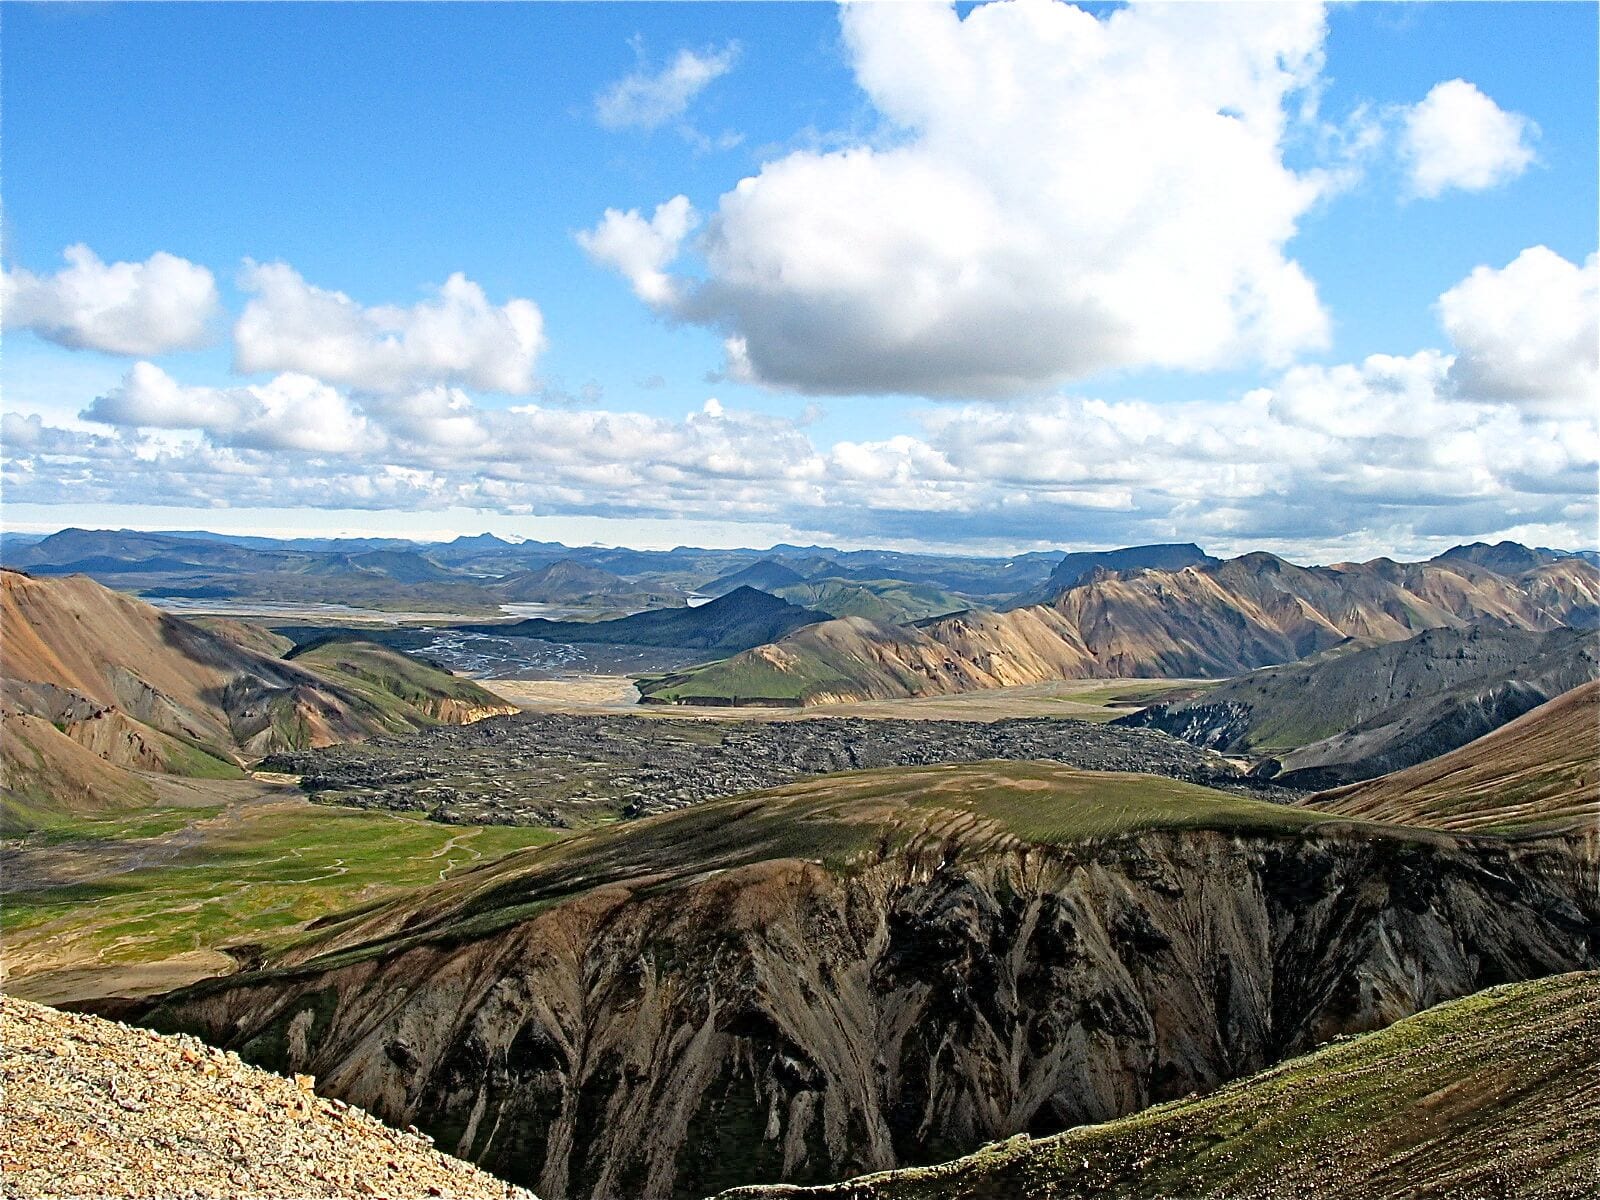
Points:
(1212, 620)
(476, 575)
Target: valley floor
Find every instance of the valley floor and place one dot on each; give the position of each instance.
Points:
(133, 905)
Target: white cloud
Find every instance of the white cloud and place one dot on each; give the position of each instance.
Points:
(1055, 195)
(457, 337)
(1457, 137)
(1529, 331)
(640, 250)
(162, 304)
(1379, 455)
(291, 412)
(646, 100)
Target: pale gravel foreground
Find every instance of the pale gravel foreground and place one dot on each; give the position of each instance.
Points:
(96, 1108)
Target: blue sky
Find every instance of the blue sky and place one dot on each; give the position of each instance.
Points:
(941, 359)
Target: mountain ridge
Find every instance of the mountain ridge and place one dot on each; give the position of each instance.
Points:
(1211, 621)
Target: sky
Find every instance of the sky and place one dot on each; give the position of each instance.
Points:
(1014, 276)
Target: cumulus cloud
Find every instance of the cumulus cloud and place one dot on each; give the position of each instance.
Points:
(1336, 460)
(1528, 332)
(648, 100)
(1457, 137)
(291, 412)
(456, 337)
(641, 250)
(1053, 194)
(162, 304)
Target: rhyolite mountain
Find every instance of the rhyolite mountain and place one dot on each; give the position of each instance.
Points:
(884, 968)
(1074, 568)
(99, 685)
(741, 618)
(1214, 620)
(1356, 711)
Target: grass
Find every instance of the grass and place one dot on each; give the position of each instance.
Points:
(1492, 1094)
(845, 822)
(402, 689)
(254, 873)
(742, 679)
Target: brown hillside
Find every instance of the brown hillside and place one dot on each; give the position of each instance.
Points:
(1539, 772)
(143, 690)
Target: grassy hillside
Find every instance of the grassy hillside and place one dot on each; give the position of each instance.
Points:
(839, 820)
(890, 600)
(408, 691)
(1488, 1096)
(1540, 772)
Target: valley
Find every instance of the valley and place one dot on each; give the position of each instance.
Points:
(1036, 880)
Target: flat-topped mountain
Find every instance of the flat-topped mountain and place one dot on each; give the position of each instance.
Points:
(766, 575)
(568, 581)
(1074, 568)
(1213, 620)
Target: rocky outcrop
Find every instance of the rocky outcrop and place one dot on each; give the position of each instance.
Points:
(1489, 1097)
(94, 1108)
(652, 1036)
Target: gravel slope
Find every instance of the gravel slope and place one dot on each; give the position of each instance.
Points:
(95, 1108)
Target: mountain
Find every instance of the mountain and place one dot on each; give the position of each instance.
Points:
(1350, 715)
(1539, 772)
(403, 566)
(1490, 1095)
(891, 600)
(883, 968)
(1503, 558)
(407, 692)
(98, 684)
(744, 617)
(1214, 621)
(1074, 568)
(765, 575)
(567, 581)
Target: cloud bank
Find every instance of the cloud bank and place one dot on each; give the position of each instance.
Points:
(1491, 435)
